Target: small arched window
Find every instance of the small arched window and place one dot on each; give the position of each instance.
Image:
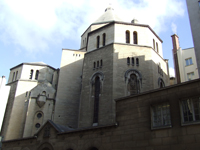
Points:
(153, 44)
(13, 76)
(127, 36)
(135, 39)
(94, 64)
(97, 64)
(16, 75)
(44, 93)
(137, 61)
(157, 47)
(98, 40)
(31, 74)
(83, 42)
(101, 62)
(133, 61)
(104, 39)
(128, 61)
(36, 74)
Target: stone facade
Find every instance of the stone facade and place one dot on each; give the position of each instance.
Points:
(132, 129)
(25, 92)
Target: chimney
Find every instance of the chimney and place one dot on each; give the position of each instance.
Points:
(176, 47)
(175, 42)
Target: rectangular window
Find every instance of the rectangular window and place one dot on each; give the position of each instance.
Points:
(190, 110)
(188, 61)
(190, 76)
(160, 116)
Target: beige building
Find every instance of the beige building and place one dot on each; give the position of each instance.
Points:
(4, 92)
(116, 59)
(193, 11)
(185, 62)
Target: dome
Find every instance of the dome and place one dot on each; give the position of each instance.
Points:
(108, 16)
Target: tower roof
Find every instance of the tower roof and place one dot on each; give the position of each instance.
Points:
(108, 16)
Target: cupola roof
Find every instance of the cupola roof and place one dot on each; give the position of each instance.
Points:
(108, 16)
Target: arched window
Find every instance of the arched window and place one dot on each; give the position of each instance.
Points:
(94, 64)
(135, 40)
(96, 99)
(161, 83)
(98, 40)
(104, 39)
(83, 42)
(159, 68)
(36, 74)
(44, 93)
(153, 44)
(31, 74)
(101, 63)
(128, 61)
(137, 61)
(97, 64)
(127, 36)
(133, 61)
(13, 76)
(133, 85)
(157, 47)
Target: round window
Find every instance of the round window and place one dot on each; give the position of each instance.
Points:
(39, 115)
(37, 125)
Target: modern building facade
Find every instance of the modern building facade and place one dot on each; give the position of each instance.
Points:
(194, 11)
(184, 61)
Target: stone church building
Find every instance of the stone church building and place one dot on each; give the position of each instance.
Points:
(112, 93)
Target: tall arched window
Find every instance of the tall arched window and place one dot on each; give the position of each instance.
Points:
(128, 61)
(36, 74)
(133, 61)
(127, 36)
(133, 86)
(13, 76)
(97, 64)
(94, 64)
(98, 40)
(135, 40)
(101, 63)
(16, 75)
(31, 74)
(157, 47)
(104, 39)
(153, 44)
(96, 99)
(137, 61)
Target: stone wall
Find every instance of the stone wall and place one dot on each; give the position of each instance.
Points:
(133, 116)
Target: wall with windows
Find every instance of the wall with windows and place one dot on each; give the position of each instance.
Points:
(148, 67)
(24, 79)
(85, 34)
(165, 118)
(187, 64)
(144, 36)
(92, 39)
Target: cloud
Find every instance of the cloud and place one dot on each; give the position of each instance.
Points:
(34, 25)
(174, 28)
(171, 72)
